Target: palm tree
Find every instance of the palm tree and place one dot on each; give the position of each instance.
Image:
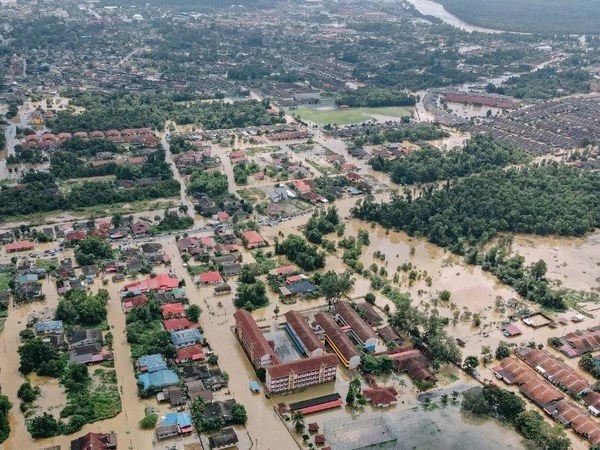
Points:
(298, 421)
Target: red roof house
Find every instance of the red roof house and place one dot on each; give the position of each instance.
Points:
(177, 324)
(172, 310)
(19, 246)
(75, 236)
(211, 277)
(253, 239)
(191, 353)
(163, 281)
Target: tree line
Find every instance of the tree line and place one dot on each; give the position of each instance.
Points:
(375, 97)
(430, 164)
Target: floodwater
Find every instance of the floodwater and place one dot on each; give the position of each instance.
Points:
(575, 262)
(432, 8)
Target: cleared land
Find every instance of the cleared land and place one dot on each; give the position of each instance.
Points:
(537, 16)
(348, 116)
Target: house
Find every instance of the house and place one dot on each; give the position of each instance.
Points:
(90, 271)
(89, 354)
(413, 362)
(140, 228)
(152, 363)
(223, 439)
(211, 378)
(49, 327)
(511, 331)
(222, 216)
(285, 270)
(302, 287)
(222, 289)
(191, 353)
(185, 338)
(172, 311)
(187, 243)
(159, 378)
(222, 409)
(381, 397)
(21, 246)
(95, 441)
(210, 277)
(85, 337)
(253, 239)
(174, 424)
(301, 186)
(195, 389)
(163, 281)
(279, 194)
(177, 324)
(75, 236)
(232, 269)
(172, 394)
(130, 302)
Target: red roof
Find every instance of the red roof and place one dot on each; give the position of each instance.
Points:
(177, 324)
(303, 331)
(253, 237)
(252, 333)
(358, 325)
(511, 330)
(130, 302)
(321, 407)
(75, 236)
(207, 241)
(301, 185)
(173, 309)
(19, 246)
(211, 277)
(222, 215)
(381, 395)
(283, 270)
(336, 335)
(162, 281)
(193, 352)
(295, 278)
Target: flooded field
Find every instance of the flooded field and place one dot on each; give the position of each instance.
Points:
(575, 262)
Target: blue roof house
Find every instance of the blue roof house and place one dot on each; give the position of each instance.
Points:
(160, 378)
(152, 363)
(185, 338)
(49, 327)
(182, 420)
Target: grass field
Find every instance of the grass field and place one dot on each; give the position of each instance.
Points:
(348, 116)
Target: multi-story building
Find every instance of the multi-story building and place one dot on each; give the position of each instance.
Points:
(361, 331)
(302, 334)
(253, 341)
(301, 373)
(338, 341)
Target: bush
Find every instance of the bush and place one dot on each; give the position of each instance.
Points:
(149, 421)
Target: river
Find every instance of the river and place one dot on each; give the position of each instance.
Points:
(431, 8)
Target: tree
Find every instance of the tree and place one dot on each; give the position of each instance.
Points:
(445, 295)
(505, 404)
(298, 421)
(470, 363)
(350, 396)
(251, 296)
(334, 286)
(5, 406)
(474, 402)
(93, 249)
(44, 426)
(240, 416)
(116, 220)
(503, 350)
(27, 392)
(193, 313)
(370, 298)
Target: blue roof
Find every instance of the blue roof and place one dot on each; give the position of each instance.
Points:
(191, 335)
(48, 326)
(254, 386)
(152, 362)
(159, 378)
(182, 420)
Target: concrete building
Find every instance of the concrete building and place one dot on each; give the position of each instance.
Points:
(302, 334)
(337, 339)
(301, 373)
(361, 331)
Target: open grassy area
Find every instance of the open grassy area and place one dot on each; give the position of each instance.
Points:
(5, 278)
(41, 218)
(348, 116)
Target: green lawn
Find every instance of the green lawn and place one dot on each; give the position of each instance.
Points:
(348, 116)
(5, 277)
